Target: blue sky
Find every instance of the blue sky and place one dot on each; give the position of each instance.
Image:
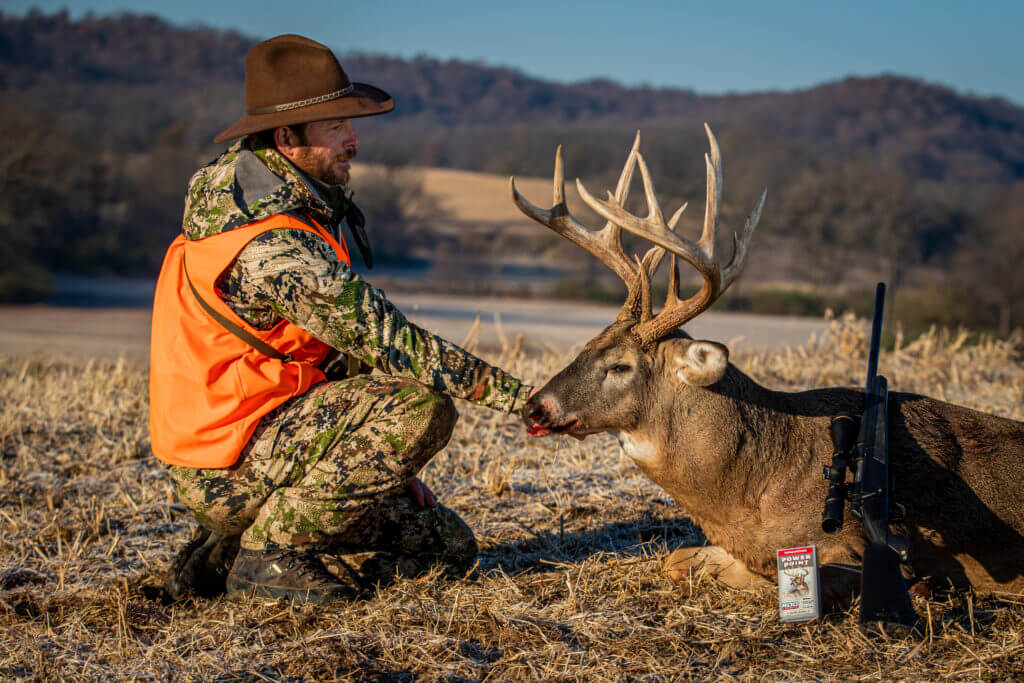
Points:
(712, 47)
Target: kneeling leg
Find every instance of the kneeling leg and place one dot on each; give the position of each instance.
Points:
(407, 540)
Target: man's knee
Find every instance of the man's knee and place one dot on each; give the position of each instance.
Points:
(439, 417)
(421, 418)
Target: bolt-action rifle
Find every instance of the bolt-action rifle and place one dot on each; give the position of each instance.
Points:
(884, 595)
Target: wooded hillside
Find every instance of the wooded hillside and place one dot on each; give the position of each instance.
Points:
(911, 182)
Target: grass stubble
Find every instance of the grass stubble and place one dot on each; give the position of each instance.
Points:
(568, 585)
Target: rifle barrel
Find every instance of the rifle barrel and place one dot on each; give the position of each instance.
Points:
(876, 334)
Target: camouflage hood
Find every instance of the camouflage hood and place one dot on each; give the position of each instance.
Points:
(248, 182)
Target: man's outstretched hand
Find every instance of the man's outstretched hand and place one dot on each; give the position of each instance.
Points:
(422, 494)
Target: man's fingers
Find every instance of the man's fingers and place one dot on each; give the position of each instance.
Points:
(422, 494)
(429, 499)
(417, 492)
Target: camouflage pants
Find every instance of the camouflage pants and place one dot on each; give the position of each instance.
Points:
(328, 472)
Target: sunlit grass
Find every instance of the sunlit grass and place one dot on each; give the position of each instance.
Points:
(568, 586)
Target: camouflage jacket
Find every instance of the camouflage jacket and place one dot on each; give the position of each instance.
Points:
(295, 275)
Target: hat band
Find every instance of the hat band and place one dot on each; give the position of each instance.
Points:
(288, 106)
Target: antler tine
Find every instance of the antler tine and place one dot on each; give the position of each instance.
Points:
(652, 228)
(605, 244)
(742, 242)
(702, 255)
(672, 298)
(643, 293)
(626, 177)
(673, 277)
(713, 163)
(558, 180)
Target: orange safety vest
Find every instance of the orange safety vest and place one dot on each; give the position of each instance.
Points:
(208, 389)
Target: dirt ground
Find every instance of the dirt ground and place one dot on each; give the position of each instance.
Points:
(568, 587)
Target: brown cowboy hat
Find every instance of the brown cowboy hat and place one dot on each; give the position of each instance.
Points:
(290, 79)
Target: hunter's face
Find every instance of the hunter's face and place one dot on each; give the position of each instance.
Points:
(326, 150)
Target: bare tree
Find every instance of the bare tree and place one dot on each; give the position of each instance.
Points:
(992, 254)
(399, 212)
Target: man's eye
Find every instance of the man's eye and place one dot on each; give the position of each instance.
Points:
(619, 367)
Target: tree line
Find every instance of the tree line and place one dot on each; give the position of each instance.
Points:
(884, 177)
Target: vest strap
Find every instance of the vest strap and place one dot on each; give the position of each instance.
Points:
(240, 332)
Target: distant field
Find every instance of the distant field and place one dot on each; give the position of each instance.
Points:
(544, 325)
(483, 198)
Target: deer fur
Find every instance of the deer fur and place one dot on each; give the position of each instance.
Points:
(745, 462)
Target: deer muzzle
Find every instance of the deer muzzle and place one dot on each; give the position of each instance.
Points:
(544, 414)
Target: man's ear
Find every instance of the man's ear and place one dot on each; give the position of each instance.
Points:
(697, 363)
(285, 140)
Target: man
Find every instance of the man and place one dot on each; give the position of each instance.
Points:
(278, 440)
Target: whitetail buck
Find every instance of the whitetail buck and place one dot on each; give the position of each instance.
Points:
(745, 462)
(797, 583)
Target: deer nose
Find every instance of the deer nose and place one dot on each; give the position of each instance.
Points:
(532, 413)
(538, 408)
(546, 409)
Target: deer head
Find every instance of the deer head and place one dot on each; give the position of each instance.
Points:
(797, 579)
(620, 374)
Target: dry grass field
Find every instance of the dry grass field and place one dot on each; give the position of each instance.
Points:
(472, 198)
(568, 586)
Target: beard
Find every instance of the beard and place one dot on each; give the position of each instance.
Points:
(331, 175)
(322, 167)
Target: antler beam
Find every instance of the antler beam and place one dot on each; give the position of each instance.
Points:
(702, 255)
(606, 243)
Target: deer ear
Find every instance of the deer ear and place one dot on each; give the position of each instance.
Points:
(700, 363)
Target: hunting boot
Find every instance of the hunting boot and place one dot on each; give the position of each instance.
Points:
(201, 567)
(281, 573)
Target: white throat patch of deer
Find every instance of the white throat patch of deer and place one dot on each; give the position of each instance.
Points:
(745, 461)
(637, 449)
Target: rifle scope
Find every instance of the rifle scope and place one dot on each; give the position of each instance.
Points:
(844, 432)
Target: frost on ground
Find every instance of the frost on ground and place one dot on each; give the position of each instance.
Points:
(568, 585)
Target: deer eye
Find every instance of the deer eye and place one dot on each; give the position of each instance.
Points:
(619, 368)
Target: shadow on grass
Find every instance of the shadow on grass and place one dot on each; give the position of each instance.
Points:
(544, 550)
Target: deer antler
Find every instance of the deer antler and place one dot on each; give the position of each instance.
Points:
(701, 254)
(606, 243)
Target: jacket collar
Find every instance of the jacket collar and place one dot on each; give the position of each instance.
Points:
(249, 182)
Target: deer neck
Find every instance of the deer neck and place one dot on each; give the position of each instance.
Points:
(718, 448)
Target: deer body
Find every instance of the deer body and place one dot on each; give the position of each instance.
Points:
(745, 462)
